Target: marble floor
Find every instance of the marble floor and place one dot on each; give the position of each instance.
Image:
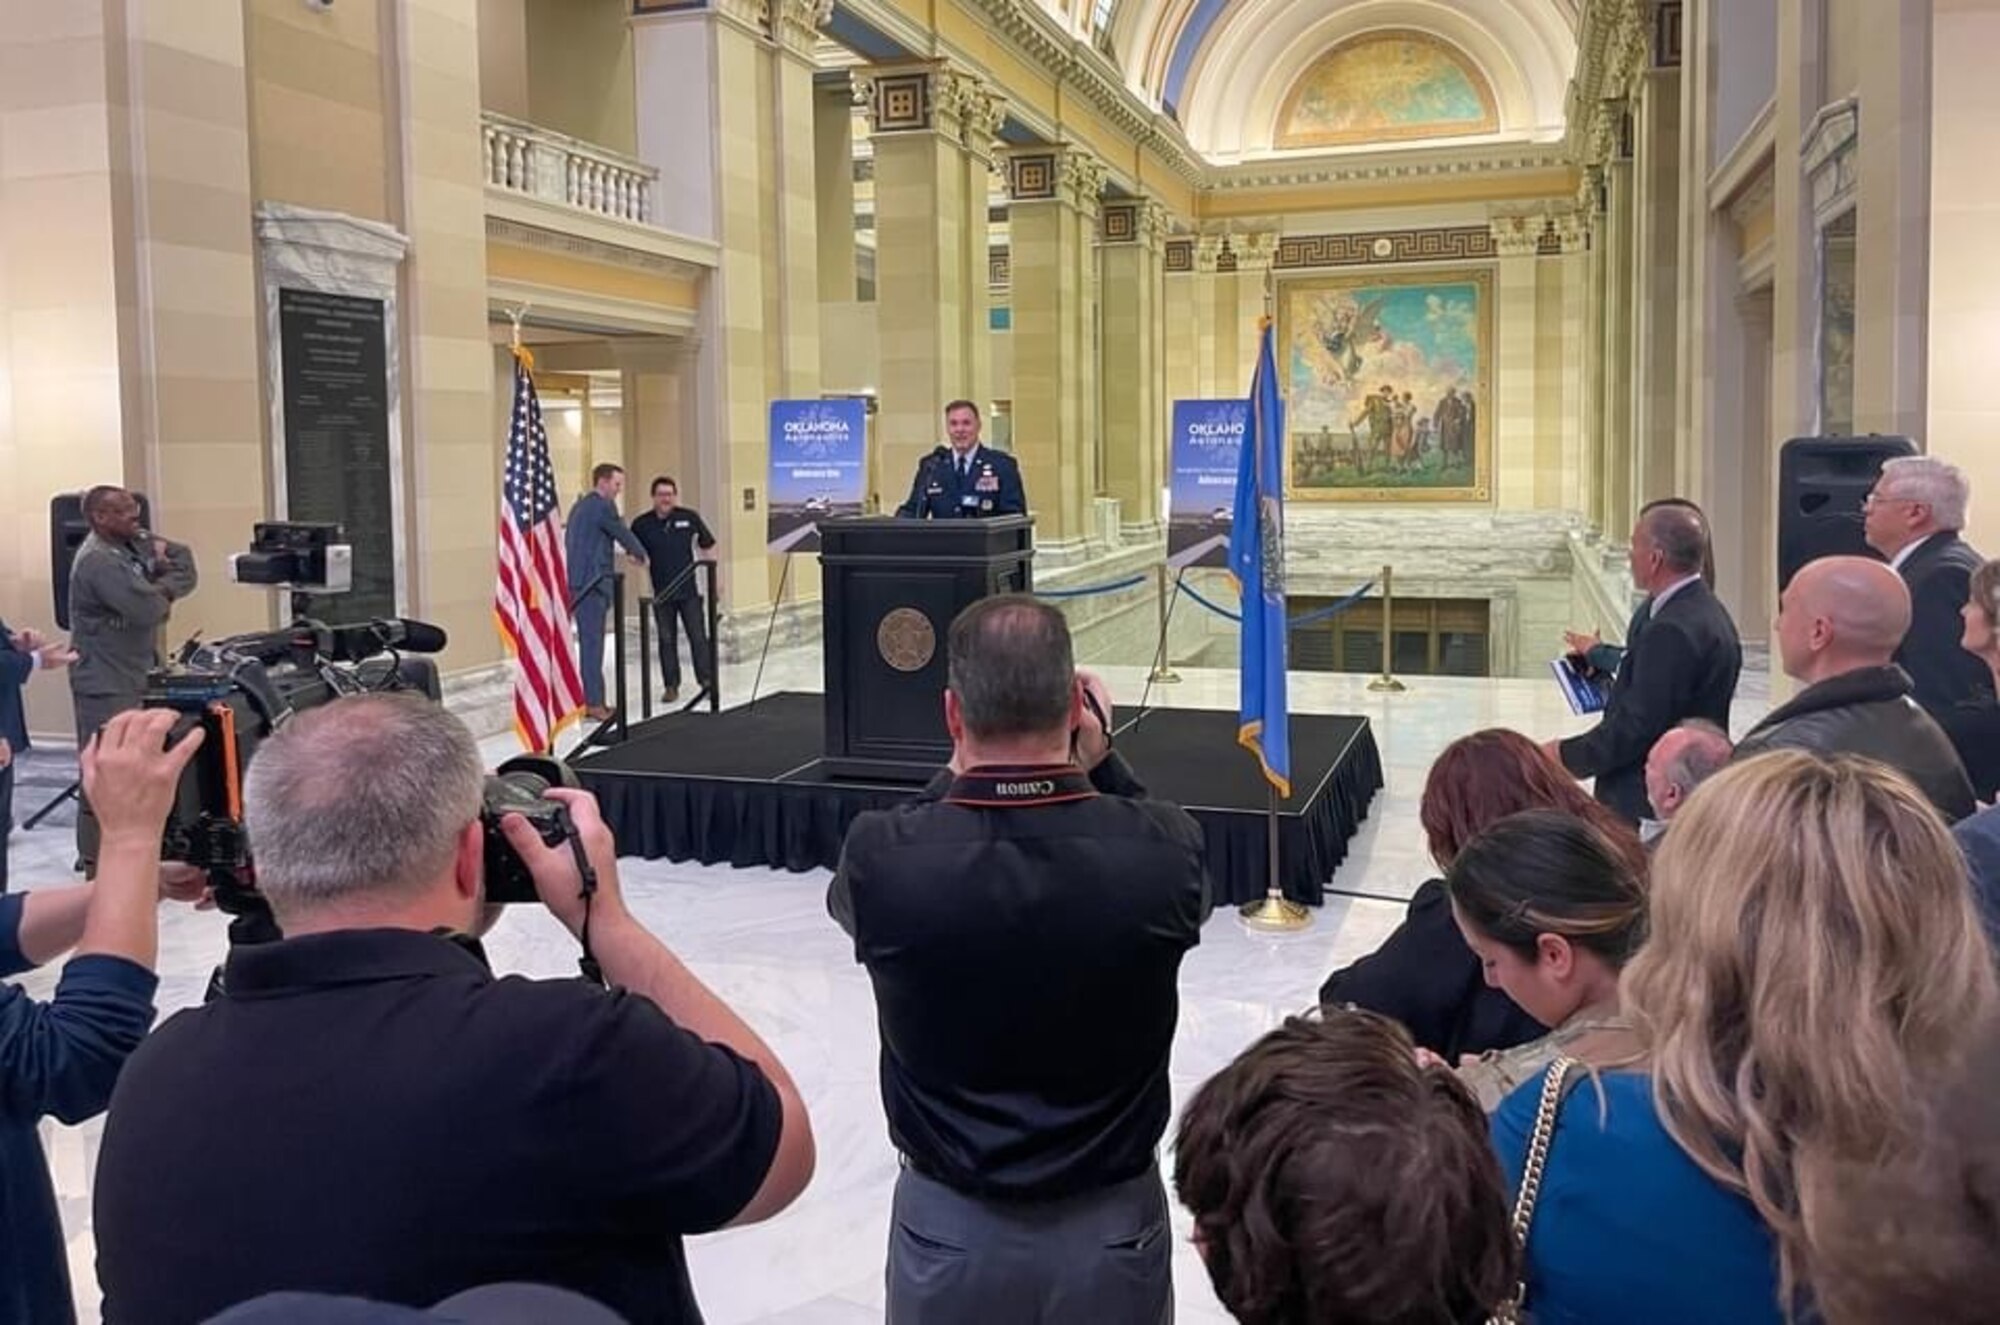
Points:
(762, 940)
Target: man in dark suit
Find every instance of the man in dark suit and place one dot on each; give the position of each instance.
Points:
(21, 653)
(1681, 661)
(1912, 517)
(965, 479)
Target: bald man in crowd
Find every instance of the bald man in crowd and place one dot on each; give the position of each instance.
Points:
(1680, 761)
(1840, 622)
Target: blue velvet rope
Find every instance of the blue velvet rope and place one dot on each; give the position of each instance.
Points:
(1114, 587)
(1310, 618)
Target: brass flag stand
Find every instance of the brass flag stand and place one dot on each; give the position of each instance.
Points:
(1275, 913)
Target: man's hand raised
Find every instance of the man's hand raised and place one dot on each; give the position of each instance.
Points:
(554, 871)
(130, 775)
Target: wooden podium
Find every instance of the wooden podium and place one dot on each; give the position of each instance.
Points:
(891, 590)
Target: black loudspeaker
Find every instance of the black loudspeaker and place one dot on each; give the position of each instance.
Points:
(1822, 482)
(67, 530)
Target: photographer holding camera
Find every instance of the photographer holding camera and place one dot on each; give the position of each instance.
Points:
(1023, 923)
(60, 1058)
(368, 1110)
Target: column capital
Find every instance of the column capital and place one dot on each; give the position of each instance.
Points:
(1572, 232)
(1140, 222)
(932, 96)
(1517, 236)
(1254, 252)
(796, 24)
(752, 16)
(1207, 254)
(1055, 172)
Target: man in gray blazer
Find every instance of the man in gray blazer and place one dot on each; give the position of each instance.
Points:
(122, 586)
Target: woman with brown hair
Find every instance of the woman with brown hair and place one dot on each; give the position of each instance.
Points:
(1553, 915)
(1424, 975)
(1813, 965)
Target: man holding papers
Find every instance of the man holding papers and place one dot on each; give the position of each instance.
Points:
(1681, 661)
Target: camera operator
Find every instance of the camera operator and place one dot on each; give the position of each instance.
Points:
(367, 1110)
(122, 585)
(61, 1058)
(1023, 923)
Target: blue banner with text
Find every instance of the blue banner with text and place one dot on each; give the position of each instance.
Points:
(1201, 494)
(819, 468)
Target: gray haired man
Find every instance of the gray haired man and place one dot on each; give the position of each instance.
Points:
(367, 1110)
(1687, 756)
(1913, 517)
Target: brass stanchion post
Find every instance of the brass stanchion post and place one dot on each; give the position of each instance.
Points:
(1163, 668)
(1387, 681)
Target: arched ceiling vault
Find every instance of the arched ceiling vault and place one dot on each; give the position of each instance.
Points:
(1226, 67)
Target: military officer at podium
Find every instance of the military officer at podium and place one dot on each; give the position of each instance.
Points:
(965, 480)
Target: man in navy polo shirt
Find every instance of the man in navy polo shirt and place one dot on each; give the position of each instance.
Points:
(368, 1110)
(1023, 923)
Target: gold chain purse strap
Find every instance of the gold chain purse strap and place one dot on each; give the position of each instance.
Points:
(1531, 1179)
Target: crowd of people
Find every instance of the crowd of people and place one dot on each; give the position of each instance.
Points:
(1716, 1042)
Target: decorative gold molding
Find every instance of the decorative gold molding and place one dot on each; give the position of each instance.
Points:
(932, 96)
(1140, 222)
(1384, 247)
(795, 24)
(1376, 168)
(1059, 172)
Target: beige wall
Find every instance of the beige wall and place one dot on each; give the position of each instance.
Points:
(580, 79)
(1964, 341)
(1845, 37)
(318, 98)
(503, 56)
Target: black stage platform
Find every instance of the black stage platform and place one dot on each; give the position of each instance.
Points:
(745, 786)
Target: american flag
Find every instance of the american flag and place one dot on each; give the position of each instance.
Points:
(532, 601)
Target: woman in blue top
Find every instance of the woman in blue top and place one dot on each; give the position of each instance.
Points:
(1814, 963)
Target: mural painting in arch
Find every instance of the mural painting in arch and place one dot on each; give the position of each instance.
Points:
(1386, 386)
(1387, 86)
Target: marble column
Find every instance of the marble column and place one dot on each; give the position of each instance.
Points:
(833, 151)
(740, 170)
(794, 29)
(1510, 406)
(933, 127)
(1134, 377)
(1215, 309)
(1053, 199)
(1893, 230)
(1962, 408)
(1572, 270)
(1591, 472)
(1619, 314)
(1656, 268)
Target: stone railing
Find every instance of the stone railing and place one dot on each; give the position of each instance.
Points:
(540, 163)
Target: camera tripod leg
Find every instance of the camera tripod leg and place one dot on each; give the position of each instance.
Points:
(73, 789)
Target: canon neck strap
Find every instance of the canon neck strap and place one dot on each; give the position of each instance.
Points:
(1007, 786)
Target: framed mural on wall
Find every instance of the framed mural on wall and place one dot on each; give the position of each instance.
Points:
(1386, 383)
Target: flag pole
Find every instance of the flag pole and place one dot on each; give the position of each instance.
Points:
(1274, 913)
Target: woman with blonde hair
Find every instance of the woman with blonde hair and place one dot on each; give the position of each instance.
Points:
(1814, 964)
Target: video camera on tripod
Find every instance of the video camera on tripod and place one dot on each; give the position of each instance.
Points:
(242, 689)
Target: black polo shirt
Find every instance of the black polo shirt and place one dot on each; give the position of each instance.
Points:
(669, 545)
(371, 1112)
(1025, 952)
